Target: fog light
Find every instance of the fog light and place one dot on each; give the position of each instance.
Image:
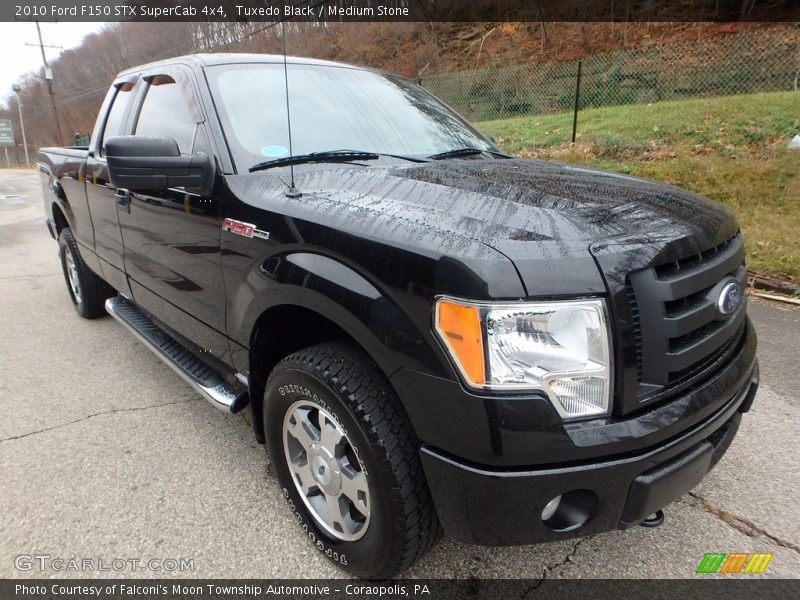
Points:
(551, 508)
(571, 510)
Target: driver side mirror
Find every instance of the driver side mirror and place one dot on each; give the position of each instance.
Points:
(154, 164)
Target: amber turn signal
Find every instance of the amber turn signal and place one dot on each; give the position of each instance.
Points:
(459, 327)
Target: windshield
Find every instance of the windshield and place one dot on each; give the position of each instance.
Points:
(332, 108)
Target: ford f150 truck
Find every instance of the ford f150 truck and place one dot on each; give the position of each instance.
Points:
(432, 336)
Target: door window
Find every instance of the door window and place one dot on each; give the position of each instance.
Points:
(165, 112)
(116, 114)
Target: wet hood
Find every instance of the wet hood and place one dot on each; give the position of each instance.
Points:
(549, 219)
(553, 220)
(538, 200)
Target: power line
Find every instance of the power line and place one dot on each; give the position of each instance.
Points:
(86, 87)
(194, 46)
(268, 26)
(85, 91)
(91, 94)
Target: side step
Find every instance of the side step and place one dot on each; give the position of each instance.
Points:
(195, 372)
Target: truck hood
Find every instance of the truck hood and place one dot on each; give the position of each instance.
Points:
(554, 220)
(549, 219)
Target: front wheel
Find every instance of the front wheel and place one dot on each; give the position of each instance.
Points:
(346, 460)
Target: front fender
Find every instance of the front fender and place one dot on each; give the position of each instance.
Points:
(327, 286)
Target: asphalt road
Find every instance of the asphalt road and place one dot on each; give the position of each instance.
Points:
(105, 453)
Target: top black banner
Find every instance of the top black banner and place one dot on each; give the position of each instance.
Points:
(401, 10)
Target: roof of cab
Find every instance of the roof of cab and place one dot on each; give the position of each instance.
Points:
(202, 60)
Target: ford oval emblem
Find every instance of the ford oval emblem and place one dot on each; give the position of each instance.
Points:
(729, 298)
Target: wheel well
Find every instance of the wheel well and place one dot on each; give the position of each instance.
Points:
(59, 219)
(279, 332)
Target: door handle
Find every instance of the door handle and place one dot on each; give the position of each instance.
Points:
(123, 197)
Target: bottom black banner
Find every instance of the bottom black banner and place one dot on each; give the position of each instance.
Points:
(251, 589)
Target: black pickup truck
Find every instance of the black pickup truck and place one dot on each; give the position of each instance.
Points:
(432, 336)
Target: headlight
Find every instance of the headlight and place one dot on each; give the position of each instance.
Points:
(560, 347)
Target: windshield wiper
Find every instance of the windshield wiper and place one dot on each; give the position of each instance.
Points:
(329, 156)
(467, 152)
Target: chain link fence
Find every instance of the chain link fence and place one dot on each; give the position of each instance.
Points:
(742, 63)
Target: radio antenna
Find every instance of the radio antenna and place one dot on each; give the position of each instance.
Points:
(292, 192)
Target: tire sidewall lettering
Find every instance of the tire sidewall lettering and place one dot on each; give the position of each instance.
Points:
(296, 384)
(339, 557)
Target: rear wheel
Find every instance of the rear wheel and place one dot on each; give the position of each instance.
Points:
(346, 460)
(86, 290)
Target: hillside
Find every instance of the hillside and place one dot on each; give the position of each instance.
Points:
(82, 74)
(730, 149)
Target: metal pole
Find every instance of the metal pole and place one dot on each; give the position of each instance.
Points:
(22, 126)
(8, 162)
(49, 85)
(577, 100)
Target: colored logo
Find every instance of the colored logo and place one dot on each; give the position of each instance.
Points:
(729, 298)
(737, 562)
(241, 228)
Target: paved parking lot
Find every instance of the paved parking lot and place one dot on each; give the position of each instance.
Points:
(105, 453)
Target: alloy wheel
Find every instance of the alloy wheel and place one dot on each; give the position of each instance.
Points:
(326, 471)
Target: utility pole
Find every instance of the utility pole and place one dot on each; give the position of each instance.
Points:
(48, 75)
(17, 89)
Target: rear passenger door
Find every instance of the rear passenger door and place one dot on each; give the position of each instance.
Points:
(172, 239)
(99, 191)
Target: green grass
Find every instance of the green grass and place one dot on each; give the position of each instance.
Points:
(731, 149)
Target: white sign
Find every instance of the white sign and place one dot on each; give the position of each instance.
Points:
(6, 133)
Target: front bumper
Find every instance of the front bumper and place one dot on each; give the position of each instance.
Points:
(502, 505)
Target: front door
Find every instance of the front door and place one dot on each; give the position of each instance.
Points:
(172, 239)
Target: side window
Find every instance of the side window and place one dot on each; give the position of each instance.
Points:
(116, 114)
(165, 112)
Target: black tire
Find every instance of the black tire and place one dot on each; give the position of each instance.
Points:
(90, 292)
(342, 379)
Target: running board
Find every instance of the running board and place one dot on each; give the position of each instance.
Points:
(208, 382)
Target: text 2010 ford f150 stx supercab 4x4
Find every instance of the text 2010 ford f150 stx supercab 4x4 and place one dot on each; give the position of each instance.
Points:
(431, 335)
